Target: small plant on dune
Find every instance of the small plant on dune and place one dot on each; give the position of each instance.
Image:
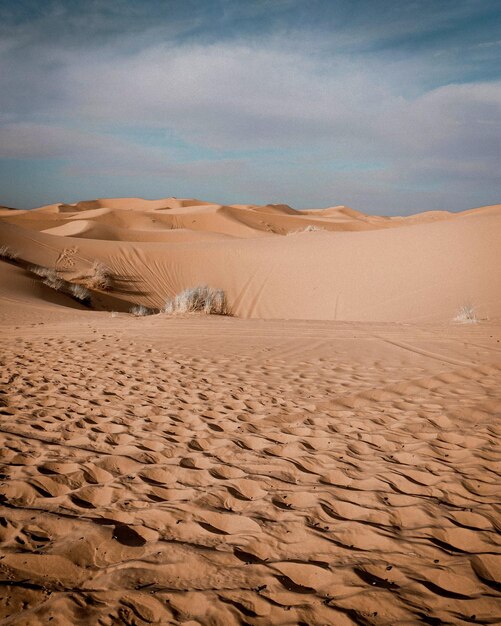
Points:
(101, 277)
(51, 279)
(311, 228)
(49, 276)
(37, 269)
(308, 229)
(54, 283)
(139, 310)
(98, 276)
(8, 253)
(79, 291)
(202, 299)
(41, 271)
(466, 315)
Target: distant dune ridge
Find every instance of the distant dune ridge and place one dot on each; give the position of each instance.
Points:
(272, 261)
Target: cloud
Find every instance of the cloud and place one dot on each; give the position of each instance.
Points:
(168, 170)
(22, 140)
(231, 97)
(296, 113)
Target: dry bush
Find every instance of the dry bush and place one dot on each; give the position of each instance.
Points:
(201, 299)
(8, 253)
(466, 315)
(98, 276)
(51, 279)
(311, 228)
(139, 310)
(49, 276)
(79, 291)
(38, 270)
(308, 229)
(54, 283)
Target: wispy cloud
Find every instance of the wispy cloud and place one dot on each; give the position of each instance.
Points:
(372, 112)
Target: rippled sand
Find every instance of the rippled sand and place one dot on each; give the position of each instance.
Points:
(223, 471)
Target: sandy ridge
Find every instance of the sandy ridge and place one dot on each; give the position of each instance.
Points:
(425, 271)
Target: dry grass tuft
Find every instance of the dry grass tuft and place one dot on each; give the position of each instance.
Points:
(49, 276)
(466, 315)
(54, 283)
(38, 270)
(202, 299)
(79, 291)
(8, 253)
(139, 310)
(102, 277)
(311, 228)
(51, 279)
(308, 229)
(98, 276)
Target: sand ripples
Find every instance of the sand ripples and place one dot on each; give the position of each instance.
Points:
(143, 487)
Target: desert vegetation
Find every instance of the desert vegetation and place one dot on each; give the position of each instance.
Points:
(51, 279)
(308, 229)
(8, 254)
(466, 315)
(99, 276)
(202, 299)
(139, 310)
(79, 291)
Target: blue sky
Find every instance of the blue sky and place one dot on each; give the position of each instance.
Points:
(389, 107)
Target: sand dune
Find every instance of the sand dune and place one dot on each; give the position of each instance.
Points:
(89, 229)
(25, 299)
(340, 467)
(273, 261)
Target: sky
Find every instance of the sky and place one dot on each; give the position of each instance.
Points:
(386, 106)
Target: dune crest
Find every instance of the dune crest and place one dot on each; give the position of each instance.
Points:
(272, 260)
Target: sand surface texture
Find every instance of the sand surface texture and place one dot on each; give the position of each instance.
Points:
(223, 471)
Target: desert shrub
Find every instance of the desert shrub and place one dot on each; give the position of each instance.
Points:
(139, 310)
(466, 315)
(54, 283)
(308, 229)
(8, 253)
(51, 279)
(101, 276)
(38, 270)
(49, 276)
(79, 291)
(98, 276)
(202, 299)
(42, 271)
(312, 228)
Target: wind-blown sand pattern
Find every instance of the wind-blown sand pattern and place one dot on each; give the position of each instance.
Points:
(220, 471)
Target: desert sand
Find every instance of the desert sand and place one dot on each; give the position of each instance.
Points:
(326, 455)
